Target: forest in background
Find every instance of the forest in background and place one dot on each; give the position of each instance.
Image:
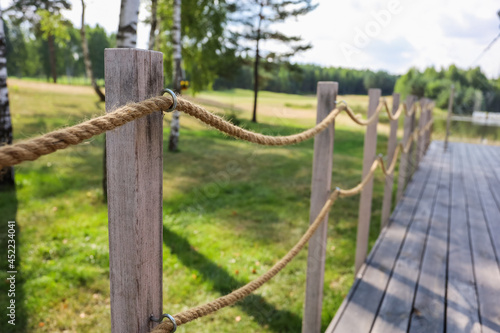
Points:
(28, 56)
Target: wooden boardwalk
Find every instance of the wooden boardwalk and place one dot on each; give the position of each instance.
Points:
(436, 268)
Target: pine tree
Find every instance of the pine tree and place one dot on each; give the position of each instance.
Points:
(257, 18)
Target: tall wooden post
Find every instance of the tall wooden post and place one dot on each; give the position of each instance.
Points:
(389, 179)
(365, 204)
(421, 124)
(430, 118)
(404, 163)
(320, 190)
(448, 118)
(135, 178)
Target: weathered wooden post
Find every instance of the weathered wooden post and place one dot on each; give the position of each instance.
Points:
(389, 179)
(428, 118)
(365, 204)
(135, 182)
(448, 118)
(404, 162)
(421, 124)
(320, 190)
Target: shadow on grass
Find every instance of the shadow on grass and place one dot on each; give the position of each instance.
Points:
(254, 305)
(11, 292)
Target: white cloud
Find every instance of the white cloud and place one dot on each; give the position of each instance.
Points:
(423, 33)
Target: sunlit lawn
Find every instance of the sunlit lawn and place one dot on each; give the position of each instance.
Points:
(231, 210)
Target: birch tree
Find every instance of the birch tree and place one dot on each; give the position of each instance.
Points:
(177, 77)
(7, 173)
(126, 38)
(154, 21)
(257, 17)
(127, 28)
(86, 57)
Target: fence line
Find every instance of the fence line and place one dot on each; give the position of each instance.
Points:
(231, 298)
(32, 149)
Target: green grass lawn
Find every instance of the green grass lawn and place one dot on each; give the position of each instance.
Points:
(231, 210)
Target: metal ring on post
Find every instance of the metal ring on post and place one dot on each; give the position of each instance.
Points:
(174, 99)
(165, 315)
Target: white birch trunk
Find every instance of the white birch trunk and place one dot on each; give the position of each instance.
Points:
(154, 21)
(6, 174)
(127, 28)
(176, 33)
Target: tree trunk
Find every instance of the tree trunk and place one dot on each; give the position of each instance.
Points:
(173, 144)
(52, 58)
(7, 173)
(86, 57)
(256, 67)
(154, 21)
(127, 28)
(126, 38)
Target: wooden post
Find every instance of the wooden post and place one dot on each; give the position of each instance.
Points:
(320, 190)
(135, 182)
(421, 139)
(428, 118)
(389, 179)
(404, 163)
(448, 119)
(365, 204)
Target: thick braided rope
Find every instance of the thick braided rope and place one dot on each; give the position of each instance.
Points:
(32, 149)
(237, 295)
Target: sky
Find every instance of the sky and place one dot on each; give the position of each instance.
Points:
(390, 35)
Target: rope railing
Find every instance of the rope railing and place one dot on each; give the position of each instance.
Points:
(32, 149)
(237, 295)
(60, 139)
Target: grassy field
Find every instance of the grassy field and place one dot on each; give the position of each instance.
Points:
(231, 210)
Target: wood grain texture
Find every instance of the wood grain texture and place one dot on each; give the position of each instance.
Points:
(462, 308)
(320, 190)
(481, 214)
(428, 313)
(395, 310)
(135, 178)
(364, 299)
(365, 203)
(389, 179)
(436, 267)
(404, 163)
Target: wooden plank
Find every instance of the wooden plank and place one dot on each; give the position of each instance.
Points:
(395, 309)
(365, 203)
(320, 190)
(428, 313)
(491, 169)
(404, 164)
(362, 304)
(462, 308)
(486, 269)
(135, 178)
(389, 179)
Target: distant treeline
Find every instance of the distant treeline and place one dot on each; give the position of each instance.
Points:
(303, 79)
(473, 90)
(28, 56)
